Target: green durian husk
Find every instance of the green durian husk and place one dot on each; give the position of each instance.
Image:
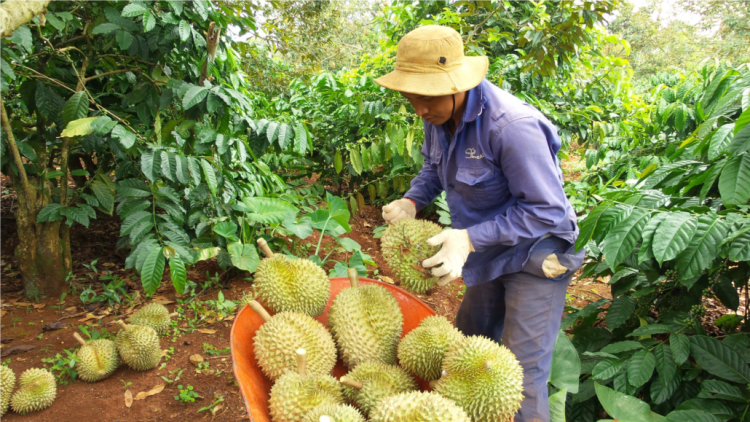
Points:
(422, 350)
(404, 246)
(336, 413)
(153, 315)
(277, 340)
(139, 347)
(294, 395)
(296, 285)
(379, 381)
(418, 406)
(36, 391)
(7, 385)
(484, 378)
(98, 359)
(366, 322)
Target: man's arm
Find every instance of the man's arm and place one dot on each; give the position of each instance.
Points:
(426, 186)
(533, 179)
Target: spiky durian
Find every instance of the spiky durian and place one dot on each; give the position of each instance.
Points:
(281, 335)
(97, 359)
(297, 285)
(366, 322)
(153, 315)
(484, 378)
(7, 384)
(404, 246)
(296, 393)
(422, 350)
(36, 391)
(335, 413)
(418, 406)
(138, 346)
(370, 382)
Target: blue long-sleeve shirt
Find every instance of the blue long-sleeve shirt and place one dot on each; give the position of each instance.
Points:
(502, 180)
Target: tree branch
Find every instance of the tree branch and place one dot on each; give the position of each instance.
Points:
(11, 141)
(101, 75)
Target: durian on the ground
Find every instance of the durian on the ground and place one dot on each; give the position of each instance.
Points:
(138, 346)
(366, 322)
(153, 315)
(97, 359)
(418, 406)
(36, 391)
(372, 381)
(7, 385)
(297, 392)
(297, 285)
(422, 350)
(335, 413)
(404, 246)
(484, 378)
(277, 340)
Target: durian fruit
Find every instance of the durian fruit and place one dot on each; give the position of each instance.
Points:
(422, 350)
(297, 393)
(297, 285)
(333, 413)
(138, 346)
(153, 315)
(36, 391)
(484, 378)
(278, 338)
(404, 246)
(418, 406)
(98, 359)
(366, 322)
(7, 384)
(372, 381)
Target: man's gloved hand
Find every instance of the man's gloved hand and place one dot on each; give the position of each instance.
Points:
(399, 210)
(452, 256)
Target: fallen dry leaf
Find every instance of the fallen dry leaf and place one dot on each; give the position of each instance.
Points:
(40, 305)
(164, 301)
(206, 331)
(2, 313)
(229, 318)
(88, 317)
(128, 398)
(23, 304)
(54, 326)
(164, 352)
(196, 359)
(16, 349)
(156, 390)
(216, 409)
(386, 279)
(72, 308)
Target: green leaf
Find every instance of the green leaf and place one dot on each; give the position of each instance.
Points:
(244, 257)
(692, 415)
(181, 169)
(566, 365)
(720, 140)
(557, 406)
(268, 210)
(106, 28)
(226, 229)
(661, 390)
(133, 9)
(126, 137)
(193, 96)
(300, 139)
(124, 39)
(168, 164)
(103, 125)
(184, 30)
(641, 367)
(741, 141)
(195, 170)
(151, 164)
(588, 225)
(625, 408)
(622, 346)
(606, 369)
(152, 270)
(208, 172)
(649, 330)
(286, 134)
(719, 359)
(133, 188)
(734, 182)
(645, 253)
(722, 390)
(178, 274)
(665, 364)
(272, 132)
(149, 22)
(622, 239)
(49, 213)
(619, 311)
(673, 236)
(77, 107)
(349, 245)
(133, 220)
(338, 164)
(103, 195)
(680, 346)
(302, 229)
(79, 127)
(703, 247)
(356, 160)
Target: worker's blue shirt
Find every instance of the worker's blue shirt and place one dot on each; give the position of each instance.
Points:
(502, 181)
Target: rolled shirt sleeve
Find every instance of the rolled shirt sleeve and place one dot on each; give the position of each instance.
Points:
(534, 180)
(426, 186)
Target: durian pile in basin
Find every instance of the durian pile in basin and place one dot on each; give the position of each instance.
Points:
(471, 379)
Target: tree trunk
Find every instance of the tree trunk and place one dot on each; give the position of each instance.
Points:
(14, 13)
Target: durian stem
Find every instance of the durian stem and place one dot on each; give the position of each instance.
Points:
(122, 325)
(264, 246)
(302, 362)
(173, 314)
(351, 383)
(79, 339)
(260, 310)
(353, 277)
(433, 383)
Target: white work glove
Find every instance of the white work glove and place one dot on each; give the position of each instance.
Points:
(399, 210)
(452, 256)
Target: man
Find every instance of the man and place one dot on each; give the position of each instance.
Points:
(513, 227)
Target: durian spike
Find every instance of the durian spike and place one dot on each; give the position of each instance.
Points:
(302, 362)
(264, 246)
(351, 383)
(353, 277)
(122, 325)
(79, 339)
(260, 310)
(433, 383)
(325, 418)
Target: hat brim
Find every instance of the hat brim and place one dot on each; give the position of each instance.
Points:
(463, 78)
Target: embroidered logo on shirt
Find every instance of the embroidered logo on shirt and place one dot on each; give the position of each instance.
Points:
(470, 153)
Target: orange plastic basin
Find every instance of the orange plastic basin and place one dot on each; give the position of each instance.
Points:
(255, 387)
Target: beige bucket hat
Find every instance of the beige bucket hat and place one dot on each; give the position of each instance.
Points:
(430, 61)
